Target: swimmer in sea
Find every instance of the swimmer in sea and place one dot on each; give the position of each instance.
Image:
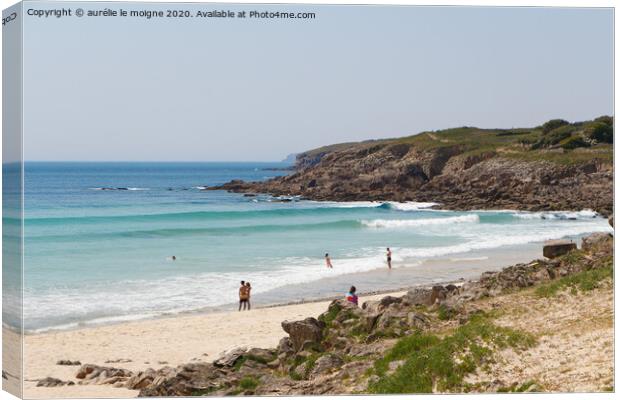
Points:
(328, 261)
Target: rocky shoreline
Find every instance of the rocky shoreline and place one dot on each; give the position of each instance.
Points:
(462, 169)
(350, 349)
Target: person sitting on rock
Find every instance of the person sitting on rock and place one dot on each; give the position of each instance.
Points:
(351, 296)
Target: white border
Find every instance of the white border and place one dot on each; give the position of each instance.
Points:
(503, 3)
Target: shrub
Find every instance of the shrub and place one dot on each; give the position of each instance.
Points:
(601, 132)
(606, 119)
(574, 142)
(554, 137)
(553, 124)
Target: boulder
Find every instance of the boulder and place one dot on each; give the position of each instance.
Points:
(53, 382)
(68, 362)
(118, 361)
(265, 355)
(417, 320)
(325, 364)
(591, 241)
(186, 380)
(611, 220)
(419, 297)
(302, 332)
(228, 358)
(141, 380)
(285, 346)
(438, 294)
(556, 248)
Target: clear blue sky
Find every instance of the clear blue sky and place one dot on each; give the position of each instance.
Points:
(214, 90)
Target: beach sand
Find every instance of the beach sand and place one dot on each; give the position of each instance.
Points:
(153, 344)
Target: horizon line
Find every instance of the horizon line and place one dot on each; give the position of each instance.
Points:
(148, 161)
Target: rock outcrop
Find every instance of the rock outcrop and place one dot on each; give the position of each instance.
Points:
(304, 334)
(455, 171)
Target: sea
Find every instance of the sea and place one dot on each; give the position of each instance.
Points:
(100, 240)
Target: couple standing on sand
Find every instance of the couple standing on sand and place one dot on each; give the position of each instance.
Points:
(328, 261)
(244, 295)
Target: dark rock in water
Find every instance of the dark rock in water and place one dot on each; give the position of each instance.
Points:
(556, 248)
(249, 195)
(68, 362)
(53, 382)
(300, 332)
(611, 220)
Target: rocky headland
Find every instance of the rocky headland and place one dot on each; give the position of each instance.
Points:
(556, 166)
(542, 326)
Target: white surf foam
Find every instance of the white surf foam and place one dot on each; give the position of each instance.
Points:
(565, 215)
(407, 223)
(411, 205)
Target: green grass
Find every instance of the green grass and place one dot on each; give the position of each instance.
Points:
(583, 281)
(528, 144)
(248, 383)
(432, 361)
(332, 312)
(444, 313)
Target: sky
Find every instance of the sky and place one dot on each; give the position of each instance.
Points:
(123, 89)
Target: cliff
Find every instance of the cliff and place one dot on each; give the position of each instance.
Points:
(556, 166)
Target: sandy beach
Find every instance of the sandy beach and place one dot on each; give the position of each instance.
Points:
(153, 343)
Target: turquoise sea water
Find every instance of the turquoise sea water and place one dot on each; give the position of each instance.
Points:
(95, 255)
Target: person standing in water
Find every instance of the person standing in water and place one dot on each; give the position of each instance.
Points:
(243, 296)
(328, 261)
(389, 258)
(248, 289)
